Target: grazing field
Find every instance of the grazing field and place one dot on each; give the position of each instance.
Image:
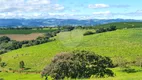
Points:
(122, 44)
(126, 43)
(22, 37)
(14, 31)
(119, 75)
(121, 25)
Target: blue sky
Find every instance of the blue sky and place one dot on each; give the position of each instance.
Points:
(71, 9)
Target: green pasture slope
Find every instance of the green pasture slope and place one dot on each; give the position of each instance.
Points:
(119, 76)
(45, 30)
(122, 42)
(121, 25)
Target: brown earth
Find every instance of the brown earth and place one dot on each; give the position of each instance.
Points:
(22, 37)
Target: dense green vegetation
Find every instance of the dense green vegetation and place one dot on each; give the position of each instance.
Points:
(100, 30)
(78, 64)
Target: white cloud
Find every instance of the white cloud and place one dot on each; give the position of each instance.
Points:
(97, 6)
(102, 13)
(29, 6)
(58, 7)
(94, 6)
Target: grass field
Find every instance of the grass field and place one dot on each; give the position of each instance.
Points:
(126, 43)
(121, 25)
(26, 31)
(119, 75)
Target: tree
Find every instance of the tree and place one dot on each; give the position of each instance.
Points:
(4, 39)
(22, 65)
(3, 64)
(88, 33)
(0, 59)
(78, 64)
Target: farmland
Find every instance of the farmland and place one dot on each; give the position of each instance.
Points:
(121, 25)
(22, 37)
(124, 43)
(16, 31)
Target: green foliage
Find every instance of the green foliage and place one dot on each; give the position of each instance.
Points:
(88, 33)
(111, 28)
(4, 39)
(0, 59)
(21, 64)
(78, 64)
(3, 64)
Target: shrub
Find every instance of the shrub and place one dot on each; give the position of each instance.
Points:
(111, 28)
(22, 64)
(4, 39)
(78, 64)
(100, 30)
(88, 33)
(3, 64)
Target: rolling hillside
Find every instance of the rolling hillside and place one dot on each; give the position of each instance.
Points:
(121, 25)
(125, 42)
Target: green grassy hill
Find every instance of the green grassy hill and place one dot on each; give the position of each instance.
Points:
(121, 25)
(126, 43)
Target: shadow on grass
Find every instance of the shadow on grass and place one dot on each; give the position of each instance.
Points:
(27, 68)
(131, 70)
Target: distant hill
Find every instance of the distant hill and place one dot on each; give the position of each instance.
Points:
(58, 22)
(121, 25)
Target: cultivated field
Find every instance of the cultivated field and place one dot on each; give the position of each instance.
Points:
(22, 37)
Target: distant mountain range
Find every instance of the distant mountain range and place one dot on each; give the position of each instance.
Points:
(58, 22)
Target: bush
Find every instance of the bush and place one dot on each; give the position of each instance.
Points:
(3, 64)
(22, 64)
(78, 64)
(4, 39)
(100, 30)
(88, 33)
(111, 28)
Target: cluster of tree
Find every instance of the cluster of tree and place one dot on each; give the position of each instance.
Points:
(66, 28)
(21, 28)
(85, 27)
(88, 33)
(100, 30)
(78, 64)
(6, 44)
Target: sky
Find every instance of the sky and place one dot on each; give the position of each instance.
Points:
(71, 9)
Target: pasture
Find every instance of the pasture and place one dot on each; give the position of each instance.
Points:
(126, 43)
(16, 31)
(119, 75)
(122, 44)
